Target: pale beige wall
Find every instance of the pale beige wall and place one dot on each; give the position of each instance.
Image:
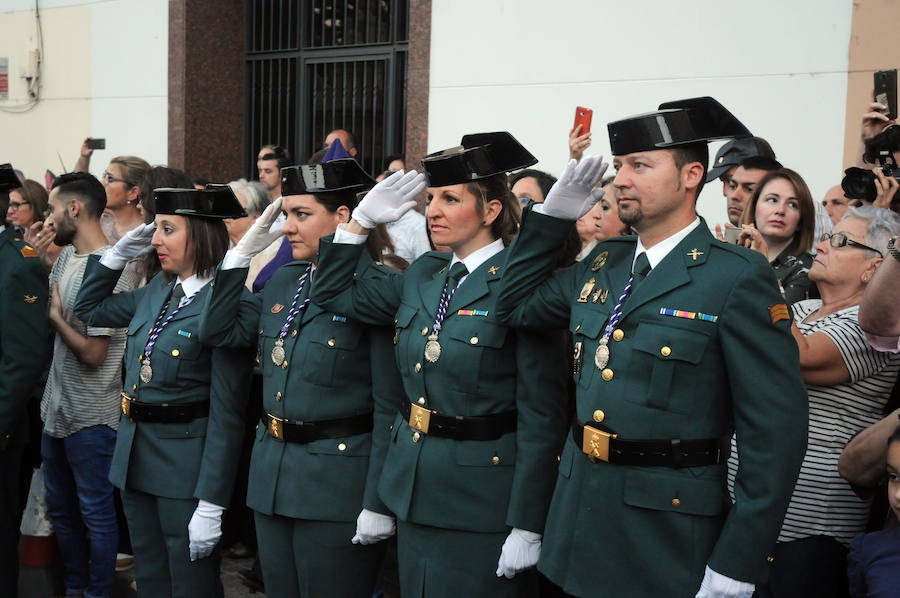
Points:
(874, 45)
(62, 118)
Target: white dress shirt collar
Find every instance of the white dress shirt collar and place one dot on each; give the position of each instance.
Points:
(478, 257)
(656, 253)
(192, 285)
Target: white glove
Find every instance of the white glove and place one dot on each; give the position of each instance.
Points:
(520, 551)
(716, 585)
(260, 235)
(571, 196)
(373, 527)
(390, 199)
(205, 529)
(135, 242)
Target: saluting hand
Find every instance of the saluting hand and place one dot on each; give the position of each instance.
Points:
(390, 199)
(571, 196)
(134, 243)
(262, 232)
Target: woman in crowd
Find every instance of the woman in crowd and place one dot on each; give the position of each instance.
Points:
(606, 214)
(27, 205)
(183, 404)
(779, 221)
(471, 454)
(122, 179)
(327, 379)
(848, 383)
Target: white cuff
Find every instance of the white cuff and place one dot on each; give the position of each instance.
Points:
(234, 260)
(341, 235)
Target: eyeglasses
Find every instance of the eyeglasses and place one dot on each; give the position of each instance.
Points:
(15, 205)
(840, 240)
(110, 179)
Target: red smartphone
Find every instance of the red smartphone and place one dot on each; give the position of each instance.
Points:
(583, 117)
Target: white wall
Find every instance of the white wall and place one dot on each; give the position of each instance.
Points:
(104, 74)
(523, 66)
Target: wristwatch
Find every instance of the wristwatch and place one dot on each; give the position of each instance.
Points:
(893, 250)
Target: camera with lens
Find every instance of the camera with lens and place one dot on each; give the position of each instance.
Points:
(859, 183)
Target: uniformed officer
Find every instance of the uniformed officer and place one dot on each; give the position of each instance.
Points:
(678, 340)
(327, 380)
(23, 334)
(468, 471)
(183, 403)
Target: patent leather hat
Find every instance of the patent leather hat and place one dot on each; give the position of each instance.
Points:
(215, 201)
(344, 174)
(693, 120)
(8, 179)
(480, 155)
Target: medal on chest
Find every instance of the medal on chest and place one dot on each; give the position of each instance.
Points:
(278, 352)
(146, 372)
(432, 348)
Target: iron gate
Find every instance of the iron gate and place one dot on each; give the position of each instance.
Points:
(316, 65)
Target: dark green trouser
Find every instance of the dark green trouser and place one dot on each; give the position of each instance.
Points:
(308, 559)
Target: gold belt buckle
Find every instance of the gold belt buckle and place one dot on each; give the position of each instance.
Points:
(126, 405)
(419, 418)
(595, 443)
(276, 427)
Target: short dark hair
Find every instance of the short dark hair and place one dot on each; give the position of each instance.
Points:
(210, 240)
(887, 140)
(760, 163)
(544, 179)
(390, 158)
(85, 188)
(692, 152)
(283, 161)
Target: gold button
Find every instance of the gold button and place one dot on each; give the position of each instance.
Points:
(665, 351)
(175, 352)
(278, 396)
(418, 367)
(293, 333)
(558, 458)
(599, 415)
(577, 328)
(607, 374)
(421, 400)
(331, 342)
(474, 340)
(676, 502)
(495, 460)
(260, 330)
(416, 437)
(425, 331)
(342, 447)
(618, 334)
(134, 387)
(771, 559)
(284, 365)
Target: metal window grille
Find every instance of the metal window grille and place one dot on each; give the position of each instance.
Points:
(316, 65)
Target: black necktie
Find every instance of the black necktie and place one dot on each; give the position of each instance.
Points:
(175, 299)
(457, 271)
(641, 268)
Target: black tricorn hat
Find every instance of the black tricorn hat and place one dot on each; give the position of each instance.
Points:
(8, 178)
(216, 201)
(480, 156)
(676, 123)
(343, 174)
(736, 151)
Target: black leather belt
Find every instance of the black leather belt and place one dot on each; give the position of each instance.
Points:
(304, 432)
(163, 413)
(482, 427)
(599, 443)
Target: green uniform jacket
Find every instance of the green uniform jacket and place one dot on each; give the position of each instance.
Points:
(23, 332)
(615, 530)
(172, 460)
(485, 368)
(335, 367)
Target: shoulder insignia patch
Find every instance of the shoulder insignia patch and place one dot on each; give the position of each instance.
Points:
(30, 298)
(779, 312)
(28, 251)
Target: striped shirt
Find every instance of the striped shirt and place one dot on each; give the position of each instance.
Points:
(77, 396)
(822, 502)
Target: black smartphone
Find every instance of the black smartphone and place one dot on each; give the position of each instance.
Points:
(96, 144)
(886, 91)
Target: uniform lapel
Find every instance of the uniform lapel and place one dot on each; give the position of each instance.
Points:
(672, 271)
(475, 286)
(430, 290)
(194, 307)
